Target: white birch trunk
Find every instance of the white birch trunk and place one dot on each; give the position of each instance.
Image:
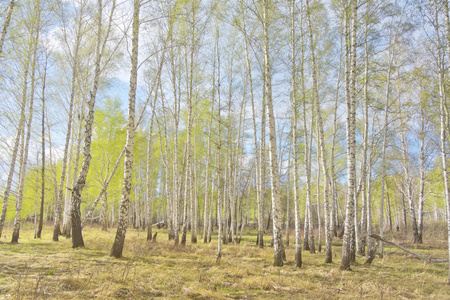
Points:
(323, 154)
(148, 183)
(294, 99)
(77, 237)
(32, 53)
(350, 218)
(273, 158)
(6, 25)
(260, 235)
(119, 240)
(443, 125)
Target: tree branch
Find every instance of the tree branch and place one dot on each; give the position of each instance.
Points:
(427, 259)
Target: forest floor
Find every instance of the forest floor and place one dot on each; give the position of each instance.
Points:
(40, 268)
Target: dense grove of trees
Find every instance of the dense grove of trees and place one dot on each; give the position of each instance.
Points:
(306, 117)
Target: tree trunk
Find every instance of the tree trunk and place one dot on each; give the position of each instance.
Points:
(443, 125)
(207, 216)
(15, 150)
(333, 150)
(77, 237)
(60, 195)
(294, 100)
(422, 171)
(308, 237)
(41, 211)
(176, 184)
(351, 144)
(119, 240)
(363, 185)
(68, 228)
(168, 184)
(323, 154)
(258, 161)
(6, 25)
(219, 157)
(275, 181)
(319, 219)
(288, 196)
(104, 215)
(194, 198)
(32, 52)
(148, 185)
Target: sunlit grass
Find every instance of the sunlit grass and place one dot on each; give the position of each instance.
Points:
(45, 269)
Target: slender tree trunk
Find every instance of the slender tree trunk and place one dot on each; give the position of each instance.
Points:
(388, 207)
(219, 198)
(119, 240)
(237, 192)
(308, 237)
(148, 183)
(443, 122)
(210, 224)
(41, 211)
(194, 198)
(323, 154)
(176, 184)
(228, 198)
(392, 40)
(258, 162)
(319, 219)
(208, 198)
(15, 150)
(219, 157)
(228, 165)
(188, 177)
(294, 99)
(77, 237)
(363, 185)
(262, 167)
(333, 150)
(169, 191)
(6, 25)
(66, 212)
(275, 181)
(351, 148)
(408, 181)
(422, 172)
(104, 214)
(66, 155)
(60, 195)
(369, 203)
(33, 47)
(68, 228)
(288, 196)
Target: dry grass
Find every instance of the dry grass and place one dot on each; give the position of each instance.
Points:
(36, 269)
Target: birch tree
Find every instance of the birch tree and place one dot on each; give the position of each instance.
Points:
(351, 146)
(294, 99)
(6, 24)
(275, 183)
(119, 240)
(41, 210)
(75, 199)
(73, 88)
(31, 61)
(321, 137)
(443, 118)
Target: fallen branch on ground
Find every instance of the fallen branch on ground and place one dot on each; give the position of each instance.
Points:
(427, 259)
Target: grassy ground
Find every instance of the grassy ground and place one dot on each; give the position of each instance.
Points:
(35, 269)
